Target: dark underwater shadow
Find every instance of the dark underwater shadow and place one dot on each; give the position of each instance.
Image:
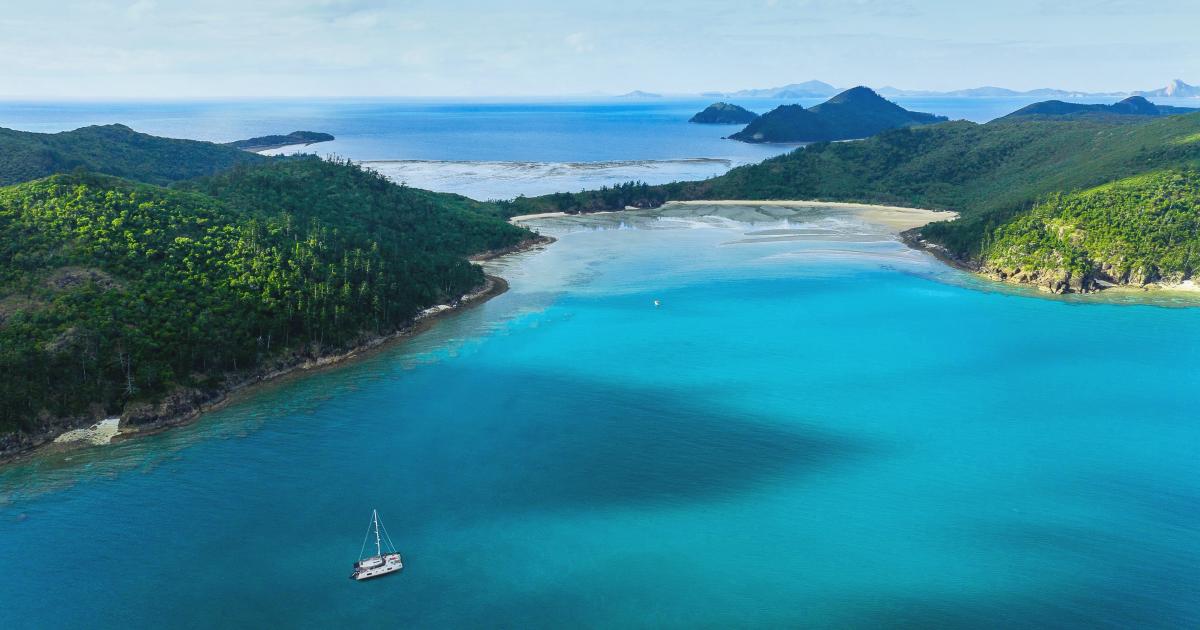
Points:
(586, 444)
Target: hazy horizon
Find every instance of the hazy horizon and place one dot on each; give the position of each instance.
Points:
(163, 49)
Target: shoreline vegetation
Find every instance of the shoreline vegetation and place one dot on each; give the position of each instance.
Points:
(182, 408)
(144, 277)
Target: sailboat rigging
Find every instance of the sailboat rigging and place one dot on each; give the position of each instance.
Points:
(381, 563)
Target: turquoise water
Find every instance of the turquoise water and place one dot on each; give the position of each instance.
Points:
(831, 432)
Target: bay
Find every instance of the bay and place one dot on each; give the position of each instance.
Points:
(828, 431)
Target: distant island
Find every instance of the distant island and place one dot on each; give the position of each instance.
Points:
(856, 113)
(997, 92)
(820, 89)
(1132, 106)
(265, 143)
(1175, 89)
(807, 89)
(639, 94)
(724, 114)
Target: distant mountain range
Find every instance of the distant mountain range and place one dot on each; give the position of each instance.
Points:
(808, 89)
(1175, 88)
(856, 113)
(820, 89)
(997, 92)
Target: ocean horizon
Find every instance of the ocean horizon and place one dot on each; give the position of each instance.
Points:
(488, 149)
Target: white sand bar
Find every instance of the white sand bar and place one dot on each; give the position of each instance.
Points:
(542, 215)
(896, 217)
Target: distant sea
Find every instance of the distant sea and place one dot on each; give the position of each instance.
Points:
(488, 149)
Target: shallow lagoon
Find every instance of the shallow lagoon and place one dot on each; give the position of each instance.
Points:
(826, 430)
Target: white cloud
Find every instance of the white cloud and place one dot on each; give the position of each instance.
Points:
(579, 42)
(139, 9)
(358, 20)
(184, 48)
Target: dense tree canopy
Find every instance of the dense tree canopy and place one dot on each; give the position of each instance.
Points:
(1141, 229)
(113, 291)
(114, 150)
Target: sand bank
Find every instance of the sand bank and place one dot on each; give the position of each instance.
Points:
(896, 217)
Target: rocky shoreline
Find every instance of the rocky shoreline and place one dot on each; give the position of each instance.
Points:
(1057, 281)
(186, 404)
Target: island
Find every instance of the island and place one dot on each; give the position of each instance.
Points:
(724, 114)
(1132, 106)
(142, 279)
(296, 138)
(856, 113)
(1174, 89)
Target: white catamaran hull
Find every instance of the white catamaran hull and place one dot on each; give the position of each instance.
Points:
(376, 566)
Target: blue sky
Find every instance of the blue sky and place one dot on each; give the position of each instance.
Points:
(276, 48)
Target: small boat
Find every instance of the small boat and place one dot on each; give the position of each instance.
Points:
(381, 563)
(657, 303)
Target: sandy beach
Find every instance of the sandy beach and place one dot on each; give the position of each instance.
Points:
(540, 215)
(896, 217)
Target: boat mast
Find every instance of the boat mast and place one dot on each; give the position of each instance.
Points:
(378, 547)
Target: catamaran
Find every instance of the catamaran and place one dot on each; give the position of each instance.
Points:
(380, 563)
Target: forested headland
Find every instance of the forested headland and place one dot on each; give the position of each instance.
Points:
(118, 293)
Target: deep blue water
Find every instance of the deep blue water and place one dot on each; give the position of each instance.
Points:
(830, 433)
(486, 150)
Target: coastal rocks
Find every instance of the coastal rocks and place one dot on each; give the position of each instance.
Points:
(1143, 275)
(100, 433)
(1114, 273)
(1057, 281)
(180, 403)
(47, 429)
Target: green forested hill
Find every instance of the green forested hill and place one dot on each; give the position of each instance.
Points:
(1136, 230)
(114, 292)
(360, 204)
(114, 150)
(724, 114)
(988, 173)
(1132, 106)
(856, 113)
